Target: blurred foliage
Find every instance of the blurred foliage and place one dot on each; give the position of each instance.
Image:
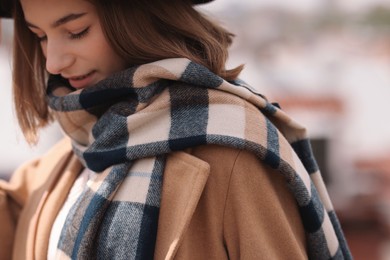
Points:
(378, 17)
(330, 17)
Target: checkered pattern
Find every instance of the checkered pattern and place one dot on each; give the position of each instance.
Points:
(124, 126)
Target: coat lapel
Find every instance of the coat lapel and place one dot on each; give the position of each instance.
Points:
(185, 177)
(63, 168)
(46, 174)
(52, 204)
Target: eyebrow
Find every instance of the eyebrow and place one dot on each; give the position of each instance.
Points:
(61, 21)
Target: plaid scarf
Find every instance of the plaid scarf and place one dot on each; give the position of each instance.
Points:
(123, 127)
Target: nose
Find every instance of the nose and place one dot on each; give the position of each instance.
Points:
(58, 58)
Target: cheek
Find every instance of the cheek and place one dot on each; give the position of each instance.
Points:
(111, 58)
(103, 54)
(43, 49)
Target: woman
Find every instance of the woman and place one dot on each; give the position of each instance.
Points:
(167, 156)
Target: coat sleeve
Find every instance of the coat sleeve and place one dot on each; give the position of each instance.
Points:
(261, 218)
(13, 195)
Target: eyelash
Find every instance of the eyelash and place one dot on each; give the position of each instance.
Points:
(41, 39)
(79, 35)
(72, 36)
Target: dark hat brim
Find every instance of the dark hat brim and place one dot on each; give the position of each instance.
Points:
(201, 1)
(6, 7)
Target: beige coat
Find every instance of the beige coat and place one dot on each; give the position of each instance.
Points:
(217, 203)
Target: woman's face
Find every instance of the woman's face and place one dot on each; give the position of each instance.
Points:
(72, 40)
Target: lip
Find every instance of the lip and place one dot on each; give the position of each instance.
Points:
(82, 81)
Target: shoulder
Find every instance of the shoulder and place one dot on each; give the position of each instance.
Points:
(217, 156)
(236, 176)
(257, 200)
(37, 171)
(245, 175)
(62, 147)
(242, 198)
(227, 160)
(60, 150)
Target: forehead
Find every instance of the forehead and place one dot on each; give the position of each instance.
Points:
(40, 11)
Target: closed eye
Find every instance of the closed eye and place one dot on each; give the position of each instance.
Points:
(42, 38)
(75, 36)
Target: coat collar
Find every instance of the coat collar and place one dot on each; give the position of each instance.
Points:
(185, 177)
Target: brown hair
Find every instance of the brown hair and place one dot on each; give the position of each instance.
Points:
(139, 31)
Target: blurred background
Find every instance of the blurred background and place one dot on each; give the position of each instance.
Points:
(327, 63)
